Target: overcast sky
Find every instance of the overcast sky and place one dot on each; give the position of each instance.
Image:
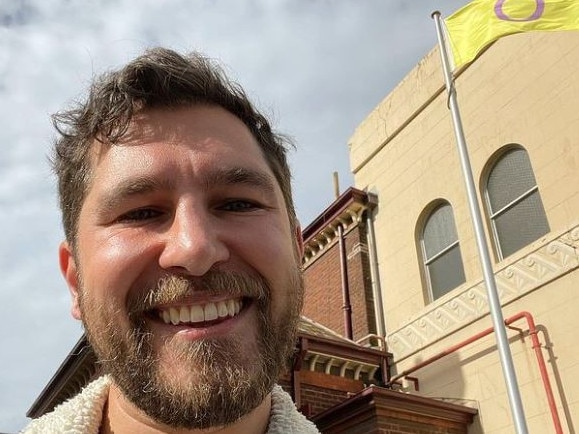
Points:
(317, 67)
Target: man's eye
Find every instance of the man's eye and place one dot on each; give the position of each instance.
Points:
(239, 206)
(139, 215)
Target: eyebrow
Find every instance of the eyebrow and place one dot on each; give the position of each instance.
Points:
(131, 187)
(241, 175)
(142, 185)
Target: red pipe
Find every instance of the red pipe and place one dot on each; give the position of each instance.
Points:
(347, 307)
(538, 353)
(533, 332)
(440, 355)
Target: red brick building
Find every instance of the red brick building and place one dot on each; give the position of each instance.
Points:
(337, 265)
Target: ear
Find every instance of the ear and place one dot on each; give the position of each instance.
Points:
(70, 273)
(299, 241)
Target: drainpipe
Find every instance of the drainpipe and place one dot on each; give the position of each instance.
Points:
(536, 345)
(374, 273)
(296, 370)
(347, 307)
(542, 367)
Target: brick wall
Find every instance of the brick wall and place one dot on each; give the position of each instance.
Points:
(319, 391)
(361, 297)
(323, 290)
(320, 399)
(323, 286)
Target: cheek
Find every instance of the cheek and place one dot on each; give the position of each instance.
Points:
(110, 266)
(269, 246)
(274, 257)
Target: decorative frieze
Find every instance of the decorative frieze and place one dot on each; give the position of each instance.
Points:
(328, 236)
(547, 263)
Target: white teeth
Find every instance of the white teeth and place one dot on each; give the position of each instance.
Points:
(222, 309)
(166, 316)
(197, 314)
(210, 311)
(184, 314)
(231, 307)
(174, 315)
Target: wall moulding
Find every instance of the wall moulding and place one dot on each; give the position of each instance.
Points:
(346, 211)
(555, 257)
(316, 246)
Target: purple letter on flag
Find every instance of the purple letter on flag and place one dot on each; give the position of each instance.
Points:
(540, 7)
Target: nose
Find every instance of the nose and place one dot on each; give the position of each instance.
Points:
(193, 244)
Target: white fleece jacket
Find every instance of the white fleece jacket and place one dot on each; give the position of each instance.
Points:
(83, 413)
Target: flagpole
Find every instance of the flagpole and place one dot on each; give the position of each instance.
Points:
(489, 277)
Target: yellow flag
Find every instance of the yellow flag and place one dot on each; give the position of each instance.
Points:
(481, 22)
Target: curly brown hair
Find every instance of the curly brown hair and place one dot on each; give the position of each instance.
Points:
(159, 78)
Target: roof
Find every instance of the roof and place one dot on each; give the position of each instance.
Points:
(315, 329)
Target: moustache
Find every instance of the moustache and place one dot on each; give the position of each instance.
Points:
(174, 288)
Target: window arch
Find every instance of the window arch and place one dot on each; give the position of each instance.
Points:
(441, 256)
(514, 205)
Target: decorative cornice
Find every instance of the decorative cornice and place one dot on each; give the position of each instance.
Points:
(345, 211)
(554, 258)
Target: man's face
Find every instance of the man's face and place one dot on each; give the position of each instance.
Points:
(186, 268)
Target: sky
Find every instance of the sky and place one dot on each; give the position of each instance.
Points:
(317, 68)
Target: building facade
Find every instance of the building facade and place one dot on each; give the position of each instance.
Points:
(519, 103)
(339, 290)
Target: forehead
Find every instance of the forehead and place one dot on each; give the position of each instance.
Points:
(210, 133)
(195, 124)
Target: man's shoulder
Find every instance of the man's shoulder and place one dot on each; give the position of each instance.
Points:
(81, 414)
(285, 418)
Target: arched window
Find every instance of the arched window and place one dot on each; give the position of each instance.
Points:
(514, 204)
(441, 252)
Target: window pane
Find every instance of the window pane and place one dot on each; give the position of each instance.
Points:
(439, 232)
(446, 272)
(442, 259)
(511, 177)
(521, 224)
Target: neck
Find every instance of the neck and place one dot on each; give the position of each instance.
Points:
(122, 417)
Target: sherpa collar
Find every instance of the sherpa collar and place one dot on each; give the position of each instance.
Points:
(83, 413)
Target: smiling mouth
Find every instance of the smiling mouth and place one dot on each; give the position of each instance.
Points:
(200, 315)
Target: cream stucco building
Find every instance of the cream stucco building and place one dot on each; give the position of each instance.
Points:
(519, 103)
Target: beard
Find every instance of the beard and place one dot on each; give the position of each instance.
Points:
(204, 383)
